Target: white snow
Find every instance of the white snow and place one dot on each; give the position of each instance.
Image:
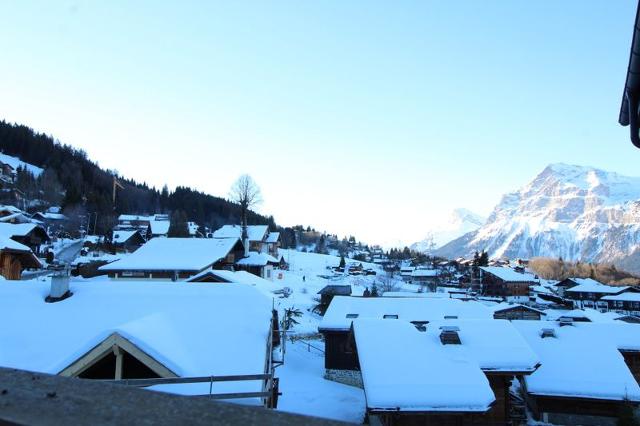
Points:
(305, 391)
(504, 351)
(257, 259)
(431, 381)
(175, 254)
(508, 274)
(254, 232)
(582, 360)
(407, 309)
(181, 326)
(15, 162)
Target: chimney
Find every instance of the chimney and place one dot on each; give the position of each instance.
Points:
(547, 332)
(245, 240)
(449, 335)
(59, 286)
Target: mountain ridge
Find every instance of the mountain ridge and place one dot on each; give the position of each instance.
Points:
(575, 212)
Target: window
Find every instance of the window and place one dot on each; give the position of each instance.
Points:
(390, 316)
(352, 315)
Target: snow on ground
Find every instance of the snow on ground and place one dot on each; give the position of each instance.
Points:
(15, 162)
(307, 275)
(305, 391)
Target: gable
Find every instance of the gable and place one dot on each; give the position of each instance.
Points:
(97, 362)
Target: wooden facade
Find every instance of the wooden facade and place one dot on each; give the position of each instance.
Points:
(632, 359)
(34, 239)
(340, 351)
(518, 312)
(13, 262)
(496, 287)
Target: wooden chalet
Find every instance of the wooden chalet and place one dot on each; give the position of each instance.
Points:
(28, 234)
(627, 302)
(341, 360)
(260, 239)
(329, 292)
(126, 241)
(510, 311)
(587, 292)
(160, 332)
(176, 258)
(506, 283)
(582, 378)
(15, 258)
(448, 391)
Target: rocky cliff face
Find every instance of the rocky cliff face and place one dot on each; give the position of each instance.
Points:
(579, 213)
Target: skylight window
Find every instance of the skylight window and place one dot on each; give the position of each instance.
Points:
(390, 316)
(352, 315)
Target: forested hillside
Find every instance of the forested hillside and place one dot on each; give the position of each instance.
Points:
(81, 186)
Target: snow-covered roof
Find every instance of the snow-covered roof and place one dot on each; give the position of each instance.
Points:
(508, 274)
(20, 217)
(257, 259)
(441, 384)
(587, 285)
(424, 273)
(582, 360)
(504, 306)
(52, 216)
(254, 232)
(120, 237)
(407, 309)
(174, 324)
(504, 351)
(7, 243)
(160, 227)
(628, 296)
(15, 162)
(16, 229)
(272, 238)
(174, 254)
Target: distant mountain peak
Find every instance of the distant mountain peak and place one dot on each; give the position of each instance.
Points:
(458, 222)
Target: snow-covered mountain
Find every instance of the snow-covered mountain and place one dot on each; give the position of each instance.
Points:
(579, 213)
(459, 222)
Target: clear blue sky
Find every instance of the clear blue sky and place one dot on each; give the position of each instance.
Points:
(366, 118)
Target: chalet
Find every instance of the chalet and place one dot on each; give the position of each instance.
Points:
(425, 276)
(511, 311)
(11, 214)
(156, 225)
(583, 379)
(226, 276)
(176, 258)
(329, 292)
(406, 272)
(260, 264)
(627, 302)
(115, 330)
(52, 219)
(127, 241)
(588, 292)
(28, 234)
(15, 258)
(260, 239)
(506, 283)
(341, 362)
(465, 381)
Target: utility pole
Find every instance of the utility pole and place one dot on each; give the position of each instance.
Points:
(116, 183)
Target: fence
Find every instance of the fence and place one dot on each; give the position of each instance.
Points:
(270, 387)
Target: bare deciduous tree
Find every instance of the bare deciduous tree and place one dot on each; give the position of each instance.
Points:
(246, 193)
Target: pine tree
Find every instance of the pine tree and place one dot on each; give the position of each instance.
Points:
(178, 227)
(343, 263)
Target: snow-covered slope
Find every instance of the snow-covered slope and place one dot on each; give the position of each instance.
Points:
(15, 162)
(459, 222)
(579, 213)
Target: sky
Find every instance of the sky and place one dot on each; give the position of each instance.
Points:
(363, 118)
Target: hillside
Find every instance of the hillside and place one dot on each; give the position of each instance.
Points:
(85, 187)
(573, 212)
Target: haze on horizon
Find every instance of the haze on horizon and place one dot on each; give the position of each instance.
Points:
(362, 118)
